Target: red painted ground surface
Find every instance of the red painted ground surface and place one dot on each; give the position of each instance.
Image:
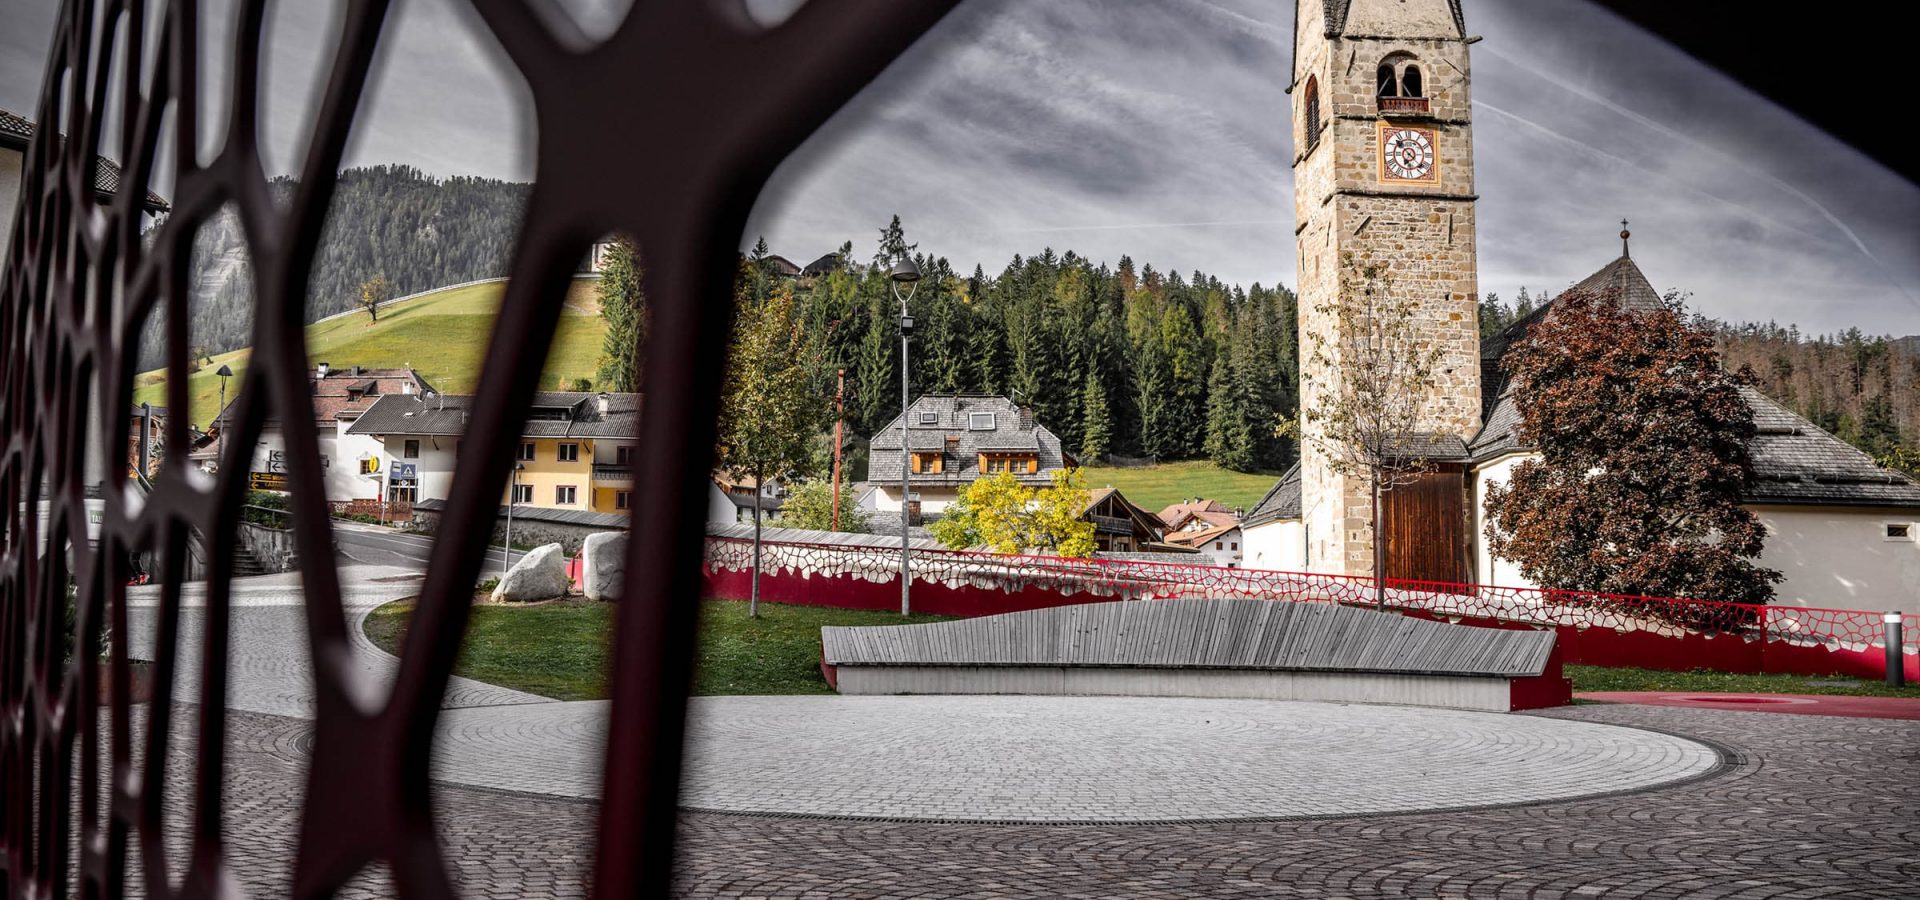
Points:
(1798, 704)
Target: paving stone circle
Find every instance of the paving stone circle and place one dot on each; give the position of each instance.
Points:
(1079, 759)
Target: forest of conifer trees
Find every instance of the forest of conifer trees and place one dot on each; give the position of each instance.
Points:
(1117, 360)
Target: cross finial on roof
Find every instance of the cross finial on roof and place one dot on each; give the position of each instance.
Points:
(1624, 234)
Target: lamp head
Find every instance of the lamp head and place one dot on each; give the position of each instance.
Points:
(223, 371)
(905, 271)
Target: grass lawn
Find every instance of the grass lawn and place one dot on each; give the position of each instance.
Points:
(1155, 488)
(1599, 678)
(444, 335)
(559, 650)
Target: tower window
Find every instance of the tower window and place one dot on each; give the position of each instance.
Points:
(1389, 85)
(1312, 101)
(1410, 81)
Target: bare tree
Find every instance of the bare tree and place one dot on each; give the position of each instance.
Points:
(1376, 381)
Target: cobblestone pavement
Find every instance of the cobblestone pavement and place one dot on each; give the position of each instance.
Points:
(1810, 807)
(1078, 759)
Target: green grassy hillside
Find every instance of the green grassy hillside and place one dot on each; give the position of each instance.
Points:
(443, 334)
(1154, 488)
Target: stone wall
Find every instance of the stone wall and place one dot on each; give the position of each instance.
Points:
(273, 547)
(534, 527)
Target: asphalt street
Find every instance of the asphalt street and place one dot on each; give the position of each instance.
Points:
(373, 545)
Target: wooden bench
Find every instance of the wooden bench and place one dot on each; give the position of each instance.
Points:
(1259, 649)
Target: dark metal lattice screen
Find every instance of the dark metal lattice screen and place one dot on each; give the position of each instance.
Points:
(665, 131)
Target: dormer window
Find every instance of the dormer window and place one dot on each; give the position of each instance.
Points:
(980, 421)
(929, 417)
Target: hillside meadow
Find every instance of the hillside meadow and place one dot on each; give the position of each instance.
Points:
(444, 335)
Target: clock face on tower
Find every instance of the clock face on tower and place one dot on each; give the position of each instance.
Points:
(1407, 154)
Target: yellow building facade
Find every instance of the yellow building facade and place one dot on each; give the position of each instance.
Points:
(572, 473)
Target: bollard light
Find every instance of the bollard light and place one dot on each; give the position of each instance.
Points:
(1896, 650)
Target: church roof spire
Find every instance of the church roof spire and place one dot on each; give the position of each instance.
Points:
(1624, 234)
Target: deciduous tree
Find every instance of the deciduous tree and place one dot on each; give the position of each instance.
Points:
(809, 505)
(373, 292)
(1643, 438)
(1001, 513)
(1366, 418)
(769, 416)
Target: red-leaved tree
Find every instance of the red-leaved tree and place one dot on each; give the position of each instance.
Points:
(1643, 437)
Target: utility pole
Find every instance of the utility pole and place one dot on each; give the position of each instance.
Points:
(839, 420)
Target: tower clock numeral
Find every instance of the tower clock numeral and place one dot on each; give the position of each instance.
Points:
(1407, 154)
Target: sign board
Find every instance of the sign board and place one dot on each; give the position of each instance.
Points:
(266, 481)
(405, 471)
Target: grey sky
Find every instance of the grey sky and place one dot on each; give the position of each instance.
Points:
(1157, 128)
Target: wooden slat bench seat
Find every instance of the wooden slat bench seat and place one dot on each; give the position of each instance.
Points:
(1207, 648)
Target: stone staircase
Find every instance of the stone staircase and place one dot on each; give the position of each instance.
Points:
(246, 564)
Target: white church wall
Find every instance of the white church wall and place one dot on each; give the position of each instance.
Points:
(1831, 557)
(1280, 545)
(1487, 568)
(1841, 557)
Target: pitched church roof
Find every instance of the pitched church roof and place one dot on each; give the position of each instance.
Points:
(1794, 460)
(1282, 501)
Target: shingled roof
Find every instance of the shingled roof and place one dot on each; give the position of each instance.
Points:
(1794, 460)
(1282, 501)
(16, 131)
(555, 414)
(1798, 462)
(349, 392)
(944, 423)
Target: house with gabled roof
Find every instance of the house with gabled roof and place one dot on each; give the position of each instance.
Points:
(575, 451)
(953, 439)
(1841, 529)
(1119, 526)
(16, 133)
(352, 465)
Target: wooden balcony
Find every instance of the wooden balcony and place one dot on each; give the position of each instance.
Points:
(612, 475)
(1405, 106)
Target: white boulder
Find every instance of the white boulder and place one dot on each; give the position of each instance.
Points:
(604, 565)
(539, 575)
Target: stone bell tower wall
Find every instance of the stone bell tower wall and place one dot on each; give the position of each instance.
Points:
(1347, 208)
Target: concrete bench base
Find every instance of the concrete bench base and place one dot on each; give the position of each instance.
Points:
(1451, 691)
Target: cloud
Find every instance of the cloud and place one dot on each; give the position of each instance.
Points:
(1159, 129)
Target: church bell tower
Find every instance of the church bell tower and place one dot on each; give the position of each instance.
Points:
(1383, 173)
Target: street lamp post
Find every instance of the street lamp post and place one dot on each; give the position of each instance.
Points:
(905, 272)
(220, 418)
(506, 549)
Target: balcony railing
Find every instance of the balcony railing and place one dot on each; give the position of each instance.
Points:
(613, 474)
(1405, 106)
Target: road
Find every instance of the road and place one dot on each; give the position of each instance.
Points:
(376, 546)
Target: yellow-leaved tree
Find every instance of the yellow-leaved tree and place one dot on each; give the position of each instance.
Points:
(1006, 516)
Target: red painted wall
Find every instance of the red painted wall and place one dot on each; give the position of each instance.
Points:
(1596, 646)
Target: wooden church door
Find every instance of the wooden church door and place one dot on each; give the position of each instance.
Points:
(1426, 524)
